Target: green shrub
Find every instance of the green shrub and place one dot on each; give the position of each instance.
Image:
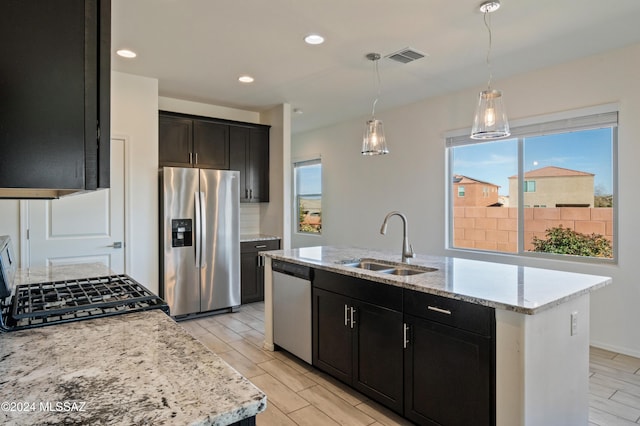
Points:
(567, 241)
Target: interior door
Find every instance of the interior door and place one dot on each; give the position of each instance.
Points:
(82, 228)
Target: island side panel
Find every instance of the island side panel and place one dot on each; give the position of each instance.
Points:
(268, 305)
(542, 370)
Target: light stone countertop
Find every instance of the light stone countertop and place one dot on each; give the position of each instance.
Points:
(247, 238)
(516, 288)
(137, 368)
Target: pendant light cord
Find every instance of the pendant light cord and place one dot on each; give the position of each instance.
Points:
(377, 72)
(488, 25)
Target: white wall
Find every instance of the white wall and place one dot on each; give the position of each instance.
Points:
(275, 213)
(358, 191)
(134, 115)
(10, 222)
(207, 110)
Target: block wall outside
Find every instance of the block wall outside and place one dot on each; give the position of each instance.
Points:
(496, 228)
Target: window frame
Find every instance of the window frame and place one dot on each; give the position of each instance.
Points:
(598, 117)
(315, 160)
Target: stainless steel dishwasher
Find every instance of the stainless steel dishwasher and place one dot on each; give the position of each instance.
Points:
(292, 308)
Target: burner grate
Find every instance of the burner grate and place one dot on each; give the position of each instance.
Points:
(56, 302)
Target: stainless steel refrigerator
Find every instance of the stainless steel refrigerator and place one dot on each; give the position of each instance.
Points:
(200, 239)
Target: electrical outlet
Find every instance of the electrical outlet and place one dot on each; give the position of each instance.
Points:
(574, 323)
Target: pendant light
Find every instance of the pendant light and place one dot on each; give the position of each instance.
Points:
(490, 121)
(373, 142)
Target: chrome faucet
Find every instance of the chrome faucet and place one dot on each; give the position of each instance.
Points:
(407, 249)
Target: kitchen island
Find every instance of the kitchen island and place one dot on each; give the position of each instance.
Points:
(540, 342)
(136, 368)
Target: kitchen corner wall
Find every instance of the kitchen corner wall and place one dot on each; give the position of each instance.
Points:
(358, 191)
(134, 116)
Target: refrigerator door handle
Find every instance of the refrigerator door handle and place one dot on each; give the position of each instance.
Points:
(197, 234)
(203, 231)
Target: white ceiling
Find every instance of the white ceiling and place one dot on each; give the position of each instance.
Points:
(197, 49)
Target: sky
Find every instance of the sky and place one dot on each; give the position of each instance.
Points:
(587, 151)
(309, 179)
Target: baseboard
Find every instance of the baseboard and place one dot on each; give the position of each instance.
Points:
(619, 349)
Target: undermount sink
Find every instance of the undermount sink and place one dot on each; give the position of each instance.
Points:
(391, 268)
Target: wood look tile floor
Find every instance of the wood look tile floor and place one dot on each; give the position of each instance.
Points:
(299, 394)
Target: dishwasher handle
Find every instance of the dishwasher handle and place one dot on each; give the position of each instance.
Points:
(293, 269)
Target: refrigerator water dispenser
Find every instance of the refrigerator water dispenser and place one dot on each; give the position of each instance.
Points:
(181, 233)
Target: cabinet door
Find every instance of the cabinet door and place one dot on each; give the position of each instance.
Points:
(210, 145)
(252, 287)
(258, 165)
(378, 354)
(332, 348)
(238, 142)
(51, 90)
(447, 375)
(175, 143)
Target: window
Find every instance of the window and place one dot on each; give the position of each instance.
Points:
(460, 191)
(308, 196)
(556, 182)
(485, 191)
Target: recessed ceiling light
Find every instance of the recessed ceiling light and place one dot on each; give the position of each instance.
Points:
(314, 39)
(126, 53)
(245, 79)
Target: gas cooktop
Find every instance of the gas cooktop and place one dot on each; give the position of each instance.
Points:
(40, 304)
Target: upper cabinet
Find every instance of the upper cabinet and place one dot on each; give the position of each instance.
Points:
(54, 115)
(192, 141)
(185, 142)
(250, 155)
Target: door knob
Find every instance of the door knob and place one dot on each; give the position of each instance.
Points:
(116, 245)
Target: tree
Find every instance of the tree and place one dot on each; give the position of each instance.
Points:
(567, 241)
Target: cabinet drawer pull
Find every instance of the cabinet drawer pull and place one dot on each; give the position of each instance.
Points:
(346, 315)
(442, 311)
(353, 321)
(261, 246)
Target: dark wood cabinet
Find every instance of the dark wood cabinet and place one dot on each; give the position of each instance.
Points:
(175, 140)
(211, 143)
(252, 269)
(185, 142)
(55, 85)
(449, 362)
(249, 153)
(357, 335)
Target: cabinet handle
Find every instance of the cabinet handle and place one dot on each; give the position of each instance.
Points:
(196, 158)
(251, 193)
(246, 194)
(442, 311)
(260, 261)
(261, 246)
(190, 157)
(353, 321)
(406, 341)
(346, 315)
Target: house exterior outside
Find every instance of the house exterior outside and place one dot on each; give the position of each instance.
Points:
(554, 187)
(469, 192)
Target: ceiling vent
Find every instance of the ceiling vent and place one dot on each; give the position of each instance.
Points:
(406, 55)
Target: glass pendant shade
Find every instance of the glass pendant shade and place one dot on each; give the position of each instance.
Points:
(373, 142)
(490, 121)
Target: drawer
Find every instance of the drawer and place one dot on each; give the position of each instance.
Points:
(261, 245)
(456, 313)
(385, 295)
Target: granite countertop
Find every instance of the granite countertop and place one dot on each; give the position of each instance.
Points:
(511, 287)
(245, 238)
(60, 272)
(136, 368)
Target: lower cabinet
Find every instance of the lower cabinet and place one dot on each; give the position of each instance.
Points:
(358, 336)
(428, 358)
(252, 269)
